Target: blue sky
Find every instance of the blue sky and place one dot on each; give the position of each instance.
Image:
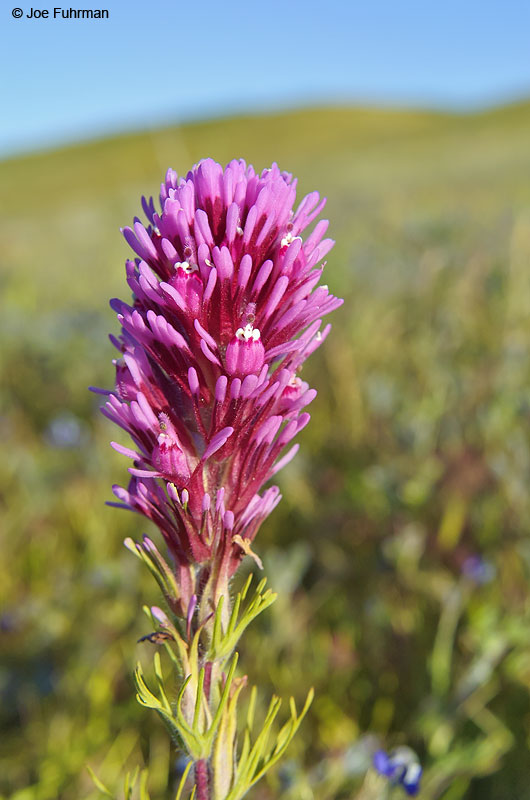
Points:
(159, 61)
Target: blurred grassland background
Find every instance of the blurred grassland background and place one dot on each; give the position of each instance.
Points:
(417, 459)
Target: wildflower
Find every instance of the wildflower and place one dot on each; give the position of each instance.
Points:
(65, 431)
(225, 312)
(478, 569)
(402, 768)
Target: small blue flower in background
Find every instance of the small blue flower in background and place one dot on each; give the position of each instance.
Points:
(179, 766)
(478, 569)
(401, 767)
(65, 431)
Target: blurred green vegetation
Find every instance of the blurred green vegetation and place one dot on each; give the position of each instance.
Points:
(417, 460)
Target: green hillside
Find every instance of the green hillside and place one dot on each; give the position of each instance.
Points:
(65, 206)
(417, 458)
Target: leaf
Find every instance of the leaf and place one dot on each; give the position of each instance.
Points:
(224, 747)
(99, 785)
(178, 727)
(183, 781)
(255, 760)
(223, 644)
(212, 730)
(130, 783)
(144, 794)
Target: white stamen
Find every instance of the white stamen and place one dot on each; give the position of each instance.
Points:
(247, 333)
(289, 239)
(188, 268)
(156, 230)
(239, 230)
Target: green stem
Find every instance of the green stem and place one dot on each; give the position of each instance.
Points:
(444, 643)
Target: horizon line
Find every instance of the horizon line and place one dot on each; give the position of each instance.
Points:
(109, 132)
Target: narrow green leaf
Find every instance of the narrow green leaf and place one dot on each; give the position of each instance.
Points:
(194, 743)
(245, 750)
(224, 748)
(295, 724)
(160, 681)
(225, 644)
(252, 707)
(158, 576)
(217, 634)
(233, 616)
(246, 771)
(161, 567)
(144, 696)
(99, 785)
(144, 794)
(183, 781)
(245, 588)
(127, 786)
(178, 663)
(130, 783)
(210, 734)
(198, 701)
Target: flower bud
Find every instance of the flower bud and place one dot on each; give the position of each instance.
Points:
(167, 457)
(125, 386)
(245, 353)
(188, 283)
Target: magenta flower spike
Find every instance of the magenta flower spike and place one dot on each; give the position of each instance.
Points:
(225, 312)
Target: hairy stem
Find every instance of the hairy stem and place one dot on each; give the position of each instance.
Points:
(201, 779)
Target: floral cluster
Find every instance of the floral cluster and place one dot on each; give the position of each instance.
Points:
(401, 767)
(225, 311)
